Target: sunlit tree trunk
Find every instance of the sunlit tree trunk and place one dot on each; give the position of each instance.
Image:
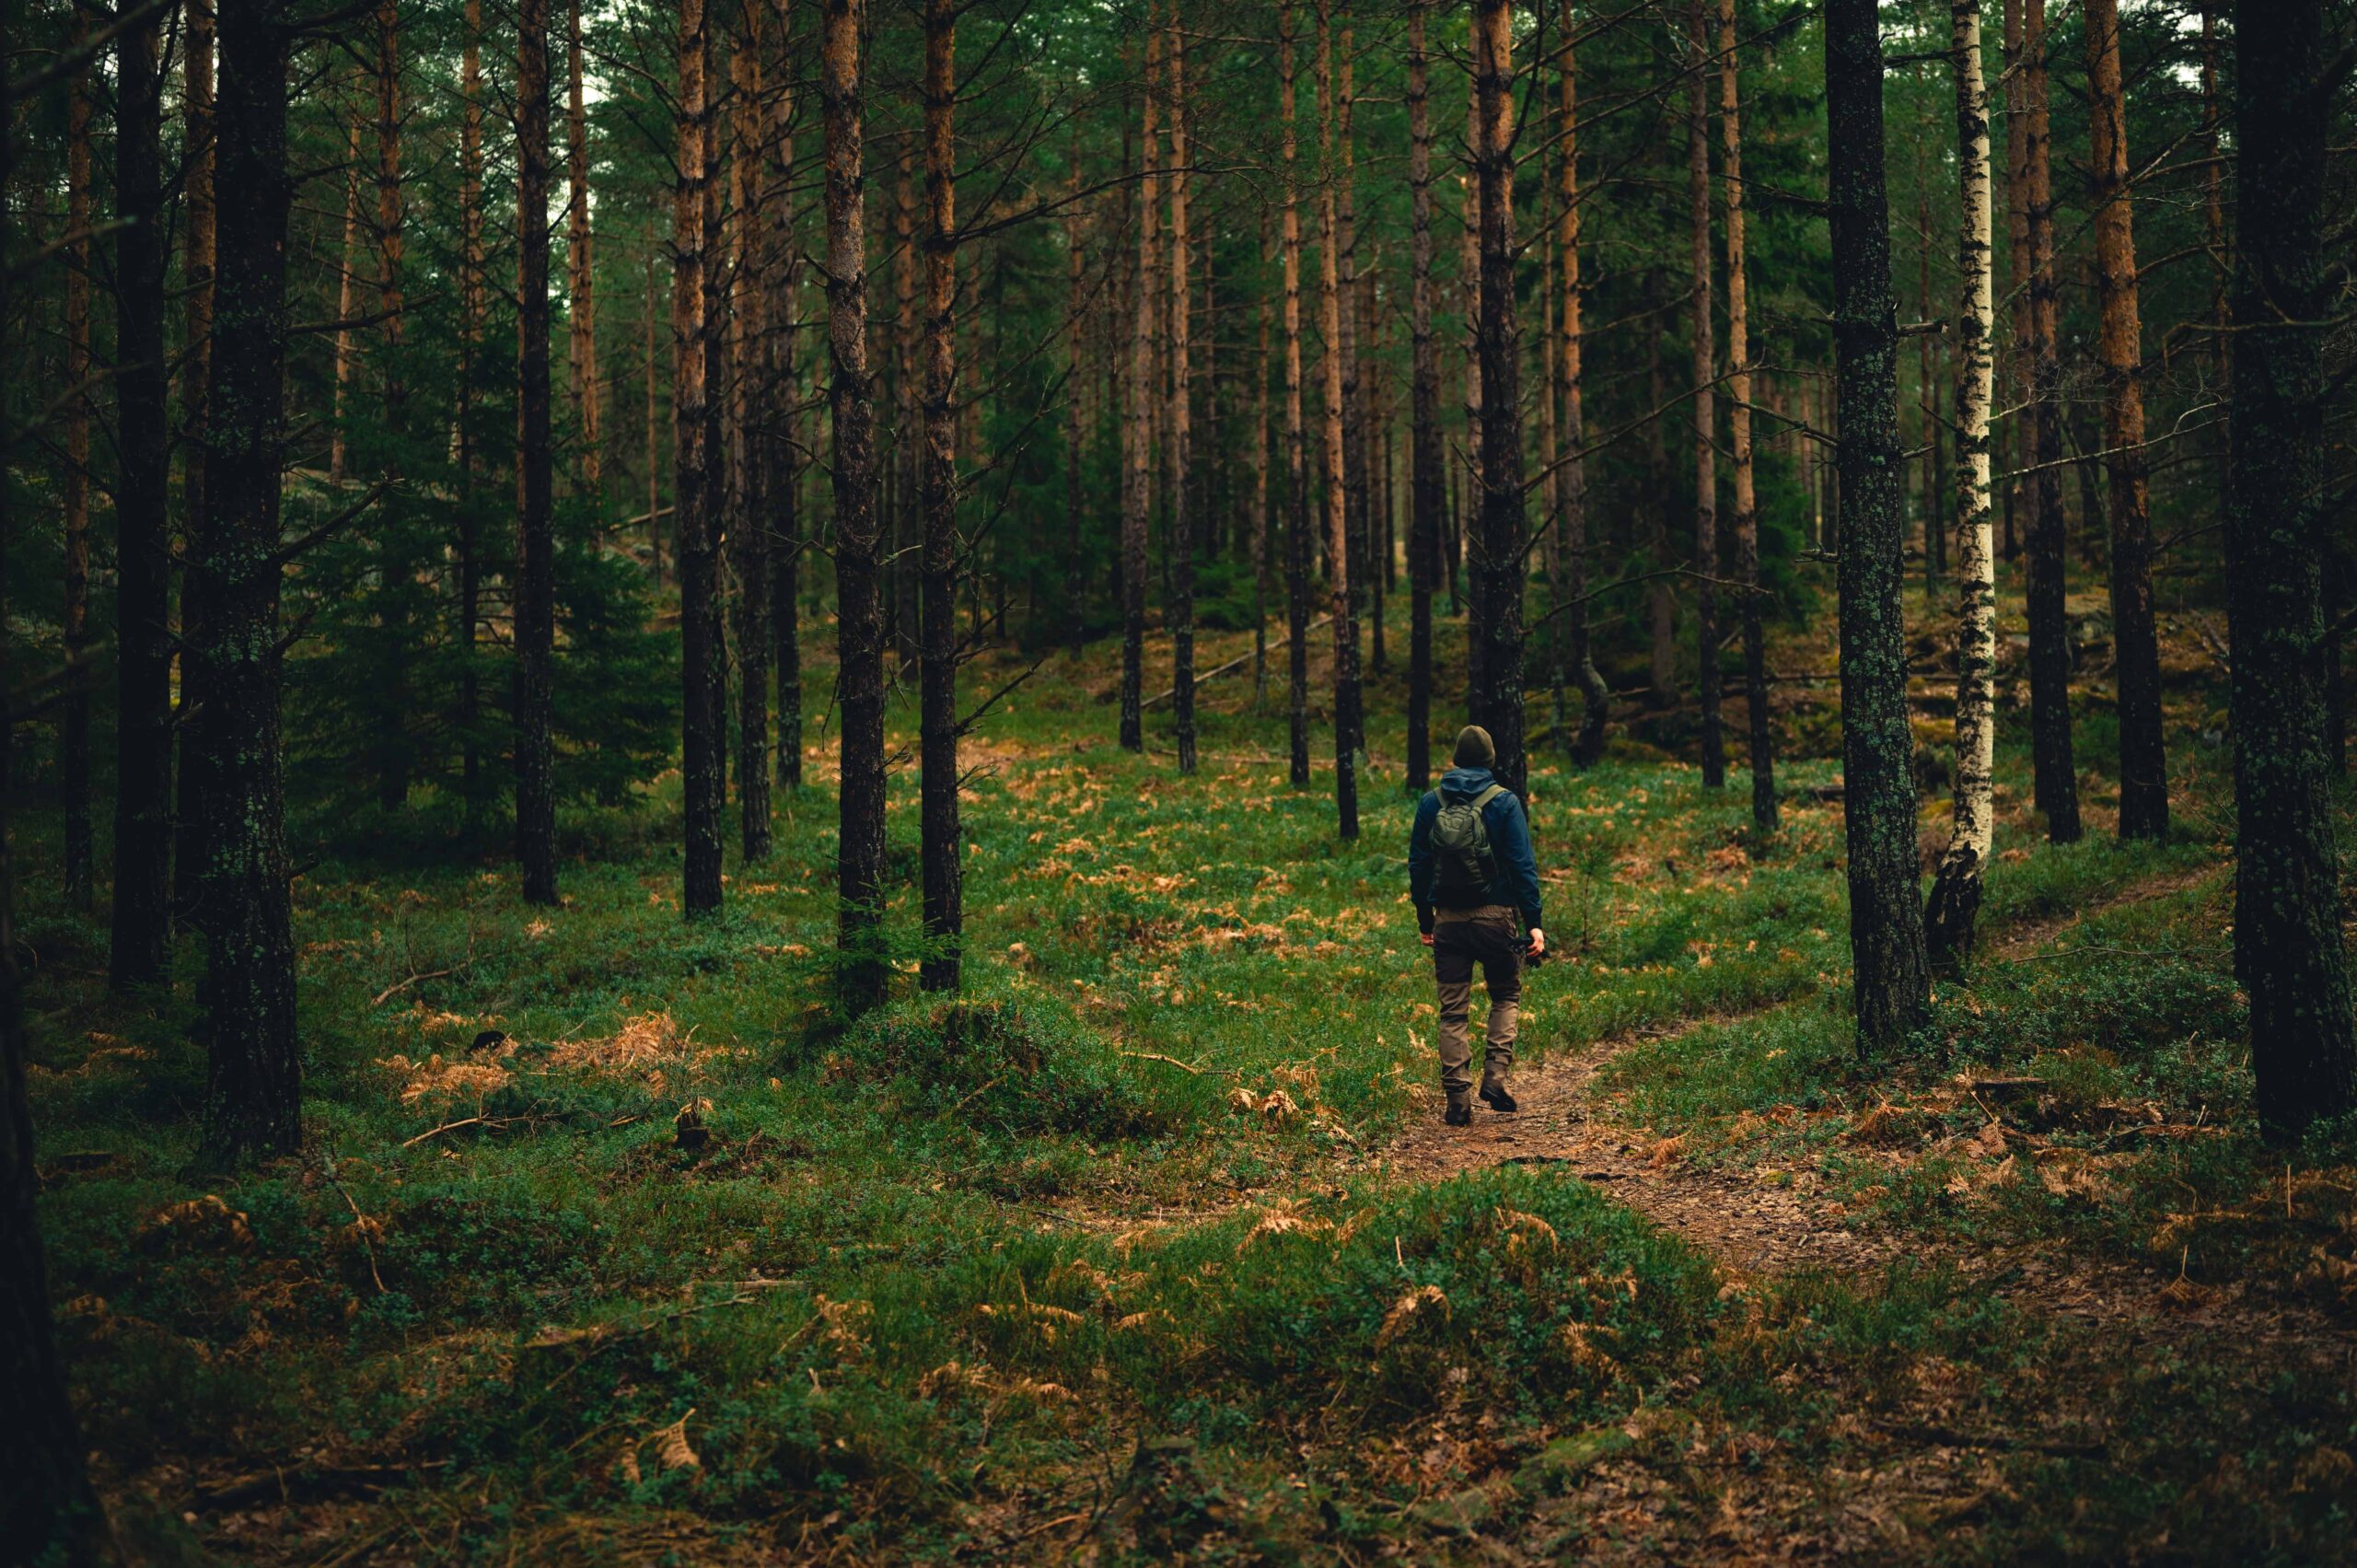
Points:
(1885, 920)
(1137, 495)
(1761, 739)
(143, 525)
(1425, 456)
(1571, 520)
(694, 502)
(1333, 470)
(253, 1093)
(2143, 759)
(751, 402)
(1706, 454)
(581, 314)
(859, 629)
(1179, 529)
(2287, 907)
(2055, 779)
(944, 872)
(1948, 918)
(74, 724)
(535, 530)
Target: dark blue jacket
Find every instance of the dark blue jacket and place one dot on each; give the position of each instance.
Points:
(1516, 883)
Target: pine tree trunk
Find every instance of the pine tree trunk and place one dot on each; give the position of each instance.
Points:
(143, 529)
(1948, 918)
(347, 309)
(1180, 532)
(253, 1095)
(581, 314)
(1595, 697)
(782, 420)
(1259, 544)
(197, 269)
(2144, 760)
(1661, 667)
(693, 503)
(73, 721)
(1761, 740)
(2055, 779)
(1297, 436)
(942, 844)
(470, 323)
(398, 566)
(1137, 495)
(1470, 537)
(1425, 454)
(1076, 417)
(1502, 514)
(2287, 906)
(1333, 468)
(859, 628)
(1352, 345)
(654, 439)
(1885, 920)
(1706, 456)
(536, 539)
(48, 1510)
(2016, 373)
(749, 398)
(903, 589)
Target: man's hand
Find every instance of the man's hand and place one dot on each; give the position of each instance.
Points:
(1425, 937)
(1538, 943)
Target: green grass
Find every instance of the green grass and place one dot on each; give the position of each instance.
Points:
(941, 1272)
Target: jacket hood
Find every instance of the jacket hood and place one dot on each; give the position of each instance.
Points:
(1463, 783)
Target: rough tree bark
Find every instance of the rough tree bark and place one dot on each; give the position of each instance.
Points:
(1333, 469)
(1502, 514)
(2055, 778)
(581, 311)
(859, 628)
(1076, 417)
(48, 1510)
(1761, 740)
(693, 503)
(751, 403)
(1425, 456)
(1352, 348)
(347, 309)
(1260, 519)
(197, 275)
(2143, 759)
(397, 565)
(783, 423)
(143, 530)
(942, 846)
(1705, 347)
(1595, 697)
(253, 1092)
(1296, 437)
(1468, 264)
(1137, 495)
(2287, 905)
(74, 719)
(1948, 917)
(471, 322)
(2015, 376)
(535, 531)
(1885, 921)
(1178, 528)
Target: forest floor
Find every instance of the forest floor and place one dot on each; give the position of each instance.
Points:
(1155, 1245)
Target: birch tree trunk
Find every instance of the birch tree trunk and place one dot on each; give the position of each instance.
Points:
(1885, 920)
(2143, 759)
(1425, 454)
(859, 629)
(1706, 454)
(1502, 514)
(942, 848)
(1761, 741)
(1948, 918)
(2054, 771)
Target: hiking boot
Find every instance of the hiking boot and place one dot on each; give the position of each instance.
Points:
(1459, 1115)
(1495, 1096)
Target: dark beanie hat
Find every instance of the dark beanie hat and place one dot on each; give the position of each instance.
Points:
(1474, 748)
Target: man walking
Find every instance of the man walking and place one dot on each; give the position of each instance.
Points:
(1470, 872)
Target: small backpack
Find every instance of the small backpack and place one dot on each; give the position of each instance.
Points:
(1463, 865)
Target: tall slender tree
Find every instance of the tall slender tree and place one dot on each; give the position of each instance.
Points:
(1885, 920)
(1761, 740)
(1705, 405)
(535, 530)
(2288, 943)
(202, 205)
(2054, 773)
(1137, 495)
(1948, 918)
(1333, 471)
(1503, 523)
(471, 325)
(750, 401)
(1297, 436)
(942, 845)
(2143, 758)
(253, 1091)
(581, 273)
(143, 530)
(1425, 456)
(1570, 521)
(859, 628)
(73, 727)
(783, 423)
(694, 504)
(1178, 529)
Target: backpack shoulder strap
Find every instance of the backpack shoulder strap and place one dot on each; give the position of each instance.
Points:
(1481, 801)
